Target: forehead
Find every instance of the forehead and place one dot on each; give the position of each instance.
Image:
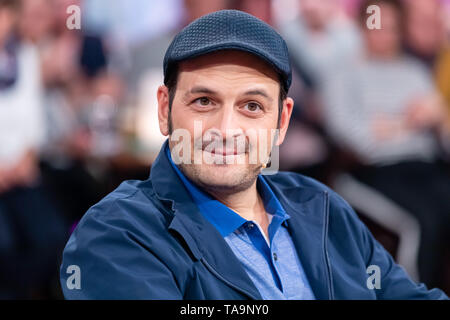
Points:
(231, 65)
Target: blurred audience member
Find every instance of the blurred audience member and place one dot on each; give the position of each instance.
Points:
(425, 29)
(319, 38)
(428, 39)
(32, 231)
(81, 101)
(385, 108)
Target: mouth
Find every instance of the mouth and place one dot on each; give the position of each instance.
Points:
(223, 157)
(224, 150)
(224, 153)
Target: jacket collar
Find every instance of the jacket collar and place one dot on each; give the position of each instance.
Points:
(308, 226)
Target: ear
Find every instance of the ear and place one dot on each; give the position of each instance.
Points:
(286, 112)
(163, 109)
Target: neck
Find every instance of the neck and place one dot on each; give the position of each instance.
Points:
(247, 203)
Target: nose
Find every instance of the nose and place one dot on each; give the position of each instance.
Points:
(226, 128)
(228, 123)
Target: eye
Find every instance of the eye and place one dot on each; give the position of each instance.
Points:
(253, 107)
(203, 101)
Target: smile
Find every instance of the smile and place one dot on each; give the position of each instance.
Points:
(224, 153)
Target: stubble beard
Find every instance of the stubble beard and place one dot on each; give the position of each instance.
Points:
(234, 181)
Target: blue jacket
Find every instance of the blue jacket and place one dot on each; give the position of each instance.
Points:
(148, 240)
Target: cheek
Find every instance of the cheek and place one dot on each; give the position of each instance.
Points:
(181, 119)
(182, 128)
(261, 141)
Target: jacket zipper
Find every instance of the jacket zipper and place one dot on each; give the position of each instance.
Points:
(325, 249)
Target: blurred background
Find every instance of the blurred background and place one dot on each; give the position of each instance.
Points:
(78, 115)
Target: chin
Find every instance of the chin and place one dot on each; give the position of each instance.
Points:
(224, 177)
(226, 174)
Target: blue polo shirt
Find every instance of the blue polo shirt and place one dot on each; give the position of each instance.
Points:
(272, 264)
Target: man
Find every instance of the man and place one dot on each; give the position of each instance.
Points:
(210, 226)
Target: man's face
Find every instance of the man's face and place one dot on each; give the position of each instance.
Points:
(227, 95)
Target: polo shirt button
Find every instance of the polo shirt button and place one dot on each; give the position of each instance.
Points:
(275, 257)
(251, 225)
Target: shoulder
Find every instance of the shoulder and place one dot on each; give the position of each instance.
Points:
(122, 241)
(285, 179)
(299, 188)
(128, 222)
(342, 223)
(304, 184)
(131, 208)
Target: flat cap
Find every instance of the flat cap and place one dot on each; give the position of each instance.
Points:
(230, 29)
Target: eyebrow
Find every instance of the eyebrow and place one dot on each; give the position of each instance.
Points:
(253, 92)
(195, 90)
(257, 92)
